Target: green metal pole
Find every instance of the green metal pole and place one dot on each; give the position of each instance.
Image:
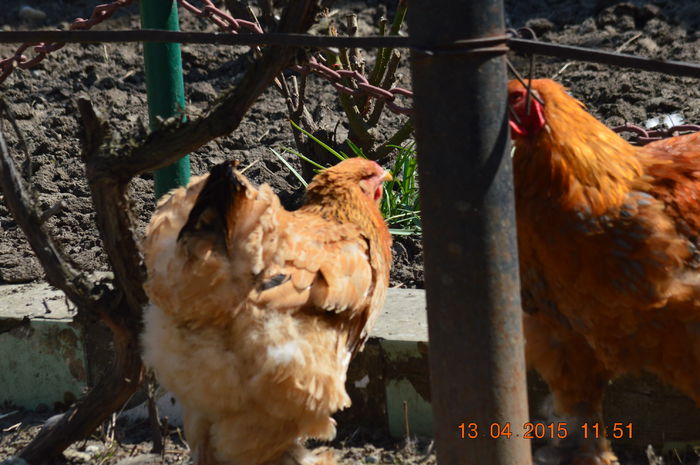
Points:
(164, 84)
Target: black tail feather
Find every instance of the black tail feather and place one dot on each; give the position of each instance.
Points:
(208, 216)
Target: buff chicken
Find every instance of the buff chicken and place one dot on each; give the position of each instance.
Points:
(256, 311)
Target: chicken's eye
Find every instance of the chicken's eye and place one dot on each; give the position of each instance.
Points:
(371, 188)
(364, 185)
(515, 97)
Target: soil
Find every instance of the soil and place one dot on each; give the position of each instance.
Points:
(120, 442)
(111, 75)
(123, 440)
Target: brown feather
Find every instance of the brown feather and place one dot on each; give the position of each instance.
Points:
(608, 237)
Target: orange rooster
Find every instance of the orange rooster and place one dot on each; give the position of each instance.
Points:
(257, 311)
(608, 237)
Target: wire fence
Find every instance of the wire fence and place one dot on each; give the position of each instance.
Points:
(351, 82)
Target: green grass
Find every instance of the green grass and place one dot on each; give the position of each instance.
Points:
(400, 204)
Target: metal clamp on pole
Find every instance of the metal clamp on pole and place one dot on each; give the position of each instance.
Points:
(473, 46)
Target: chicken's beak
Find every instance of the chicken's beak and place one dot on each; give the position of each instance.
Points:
(386, 176)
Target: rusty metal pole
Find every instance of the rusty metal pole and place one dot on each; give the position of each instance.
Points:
(477, 364)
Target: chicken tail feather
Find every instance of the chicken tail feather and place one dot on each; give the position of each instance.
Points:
(211, 211)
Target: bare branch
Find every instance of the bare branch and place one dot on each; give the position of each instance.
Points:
(10, 116)
(113, 391)
(154, 414)
(109, 171)
(92, 300)
(359, 130)
(389, 79)
(113, 215)
(55, 209)
(403, 133)
(378, 69)
(176, 139)
(60, 271)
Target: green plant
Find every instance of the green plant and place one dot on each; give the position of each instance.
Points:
(400, 203)
(360, 112)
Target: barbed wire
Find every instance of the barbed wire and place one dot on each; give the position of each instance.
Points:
(671, 67)
(19, 60)
(362, 85)
(677, 68)
(225, 21)
(44, 42)
(571, 52)
(288, 39)
(644, 136)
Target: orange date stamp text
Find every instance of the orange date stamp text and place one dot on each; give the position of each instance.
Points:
(536, 430)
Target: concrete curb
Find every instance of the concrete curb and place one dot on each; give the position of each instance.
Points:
(44, 359)
(45, 362)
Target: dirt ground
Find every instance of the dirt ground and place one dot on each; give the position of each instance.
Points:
(43, 99)
(111, 75)
(119, 442)
(123, 440)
